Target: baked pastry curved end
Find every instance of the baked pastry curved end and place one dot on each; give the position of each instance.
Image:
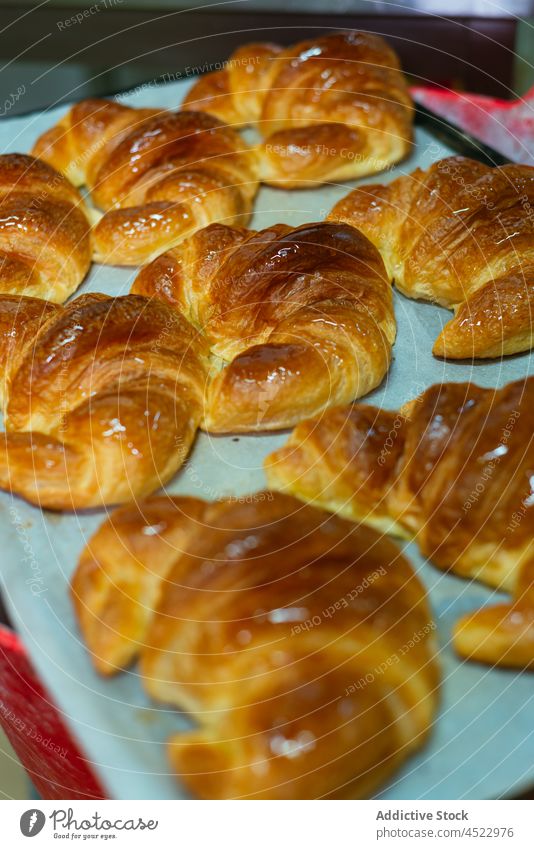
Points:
(459, 234)
(334, 107)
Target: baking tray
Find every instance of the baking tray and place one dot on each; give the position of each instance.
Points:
(459, 141)
(482, 745)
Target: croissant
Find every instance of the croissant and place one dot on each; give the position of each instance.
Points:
(454, 469)
(459, 234)
(158, 176)
(295, 319)
(101, 398)
(44, 233)
(309, 674)
(334, 107)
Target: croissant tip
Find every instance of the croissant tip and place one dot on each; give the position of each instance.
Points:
(450, 346)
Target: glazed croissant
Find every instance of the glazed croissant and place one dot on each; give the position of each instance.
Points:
(44, 233)
(101, 398)
(454, 469)
(296, 319)
(301, 644)
(460, 234)
(158, 176)
(335, 107)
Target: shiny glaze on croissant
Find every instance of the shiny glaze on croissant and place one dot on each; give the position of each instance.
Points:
(301, 644)
(455, 470)
(44, 233)
(101, 398)
(460, 234)
(158, 176)
(296, 319)
(333, 107)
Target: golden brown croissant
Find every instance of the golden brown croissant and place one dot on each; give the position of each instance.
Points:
(330, 108)
(44, 233)
(296, 319)
(455, 470)
(158, 176)
(460, 234)
(301, 644)
(101, 398)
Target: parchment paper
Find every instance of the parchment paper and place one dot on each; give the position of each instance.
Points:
(482, 745)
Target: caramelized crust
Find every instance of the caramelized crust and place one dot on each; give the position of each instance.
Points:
(44, 233)
(296, 319)
(158, 176)
(331, 461)
(101, 398)
(456, 473)
(460, 234)
(334, 107)
(301, 644)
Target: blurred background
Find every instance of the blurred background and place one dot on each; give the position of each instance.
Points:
(54, 52)
(69, 49)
